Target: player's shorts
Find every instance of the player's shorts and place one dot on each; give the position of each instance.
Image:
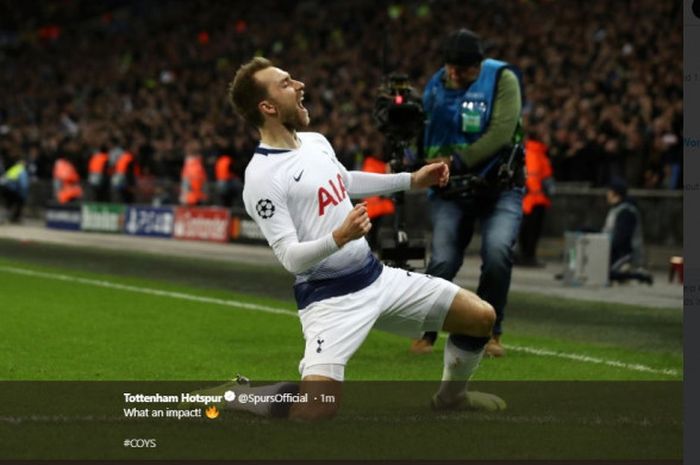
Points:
(398, 301)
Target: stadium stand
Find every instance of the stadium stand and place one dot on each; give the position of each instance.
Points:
(603, 79)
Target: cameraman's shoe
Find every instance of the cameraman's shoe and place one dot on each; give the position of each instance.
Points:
(494, 348)
(421, 346)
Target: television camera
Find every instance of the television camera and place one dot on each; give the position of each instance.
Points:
(398, 114)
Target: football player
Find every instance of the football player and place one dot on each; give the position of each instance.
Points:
(299, 195)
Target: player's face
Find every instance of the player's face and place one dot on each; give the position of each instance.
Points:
(285, 97)
(462, 76)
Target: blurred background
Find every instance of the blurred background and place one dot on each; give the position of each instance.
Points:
(603, 85)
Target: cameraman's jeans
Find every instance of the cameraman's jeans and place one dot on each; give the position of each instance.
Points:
(453, 226)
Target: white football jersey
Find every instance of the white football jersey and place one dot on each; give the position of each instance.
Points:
(302, 193)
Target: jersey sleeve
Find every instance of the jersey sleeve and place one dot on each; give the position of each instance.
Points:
(361, 184)
(297, 257)
(266, 202)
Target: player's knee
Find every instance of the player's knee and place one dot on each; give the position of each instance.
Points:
(470, 315)
(486, 319)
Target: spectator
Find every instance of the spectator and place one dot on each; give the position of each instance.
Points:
(587, 66)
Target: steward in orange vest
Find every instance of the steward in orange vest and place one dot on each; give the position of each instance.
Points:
(228, 185)
(224, 168)
(193, 181)
(66, 182)
(539, 186)
(539, 170)
(377, 207)
(99, 176)
(126, 170)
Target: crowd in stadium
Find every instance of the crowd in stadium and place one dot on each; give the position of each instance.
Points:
(603, 80)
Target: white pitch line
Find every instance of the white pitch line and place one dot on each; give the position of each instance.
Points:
(280, 311)
(149, 291)
(588, 359)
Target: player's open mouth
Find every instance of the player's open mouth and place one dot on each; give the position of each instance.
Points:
(300, 104)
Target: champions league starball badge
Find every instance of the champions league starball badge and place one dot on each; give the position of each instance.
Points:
(265, 208)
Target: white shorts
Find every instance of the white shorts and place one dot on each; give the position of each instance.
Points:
(398, 301)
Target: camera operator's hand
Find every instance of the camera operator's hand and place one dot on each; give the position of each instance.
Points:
(356, 225)
(432, 174)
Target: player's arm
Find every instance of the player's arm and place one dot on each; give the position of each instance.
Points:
(297, 256)
(280, 233)
(361, 184)
(269, 210)
(268, 207)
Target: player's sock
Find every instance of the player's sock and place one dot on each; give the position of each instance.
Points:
(461, 358)
(265, 408)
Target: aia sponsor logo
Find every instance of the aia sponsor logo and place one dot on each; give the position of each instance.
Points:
(335, 194)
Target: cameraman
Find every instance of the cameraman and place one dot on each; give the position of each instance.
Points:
(473, 108)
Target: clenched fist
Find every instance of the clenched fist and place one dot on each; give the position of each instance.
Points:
(355, 226)
(433, 174)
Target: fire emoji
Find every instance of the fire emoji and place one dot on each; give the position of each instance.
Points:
(212, 412)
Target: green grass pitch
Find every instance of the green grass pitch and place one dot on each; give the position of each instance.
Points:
(80, 314)
(57, 328)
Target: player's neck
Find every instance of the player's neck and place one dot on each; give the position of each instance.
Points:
(280, 137)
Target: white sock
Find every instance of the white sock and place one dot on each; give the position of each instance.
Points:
(458, 367)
